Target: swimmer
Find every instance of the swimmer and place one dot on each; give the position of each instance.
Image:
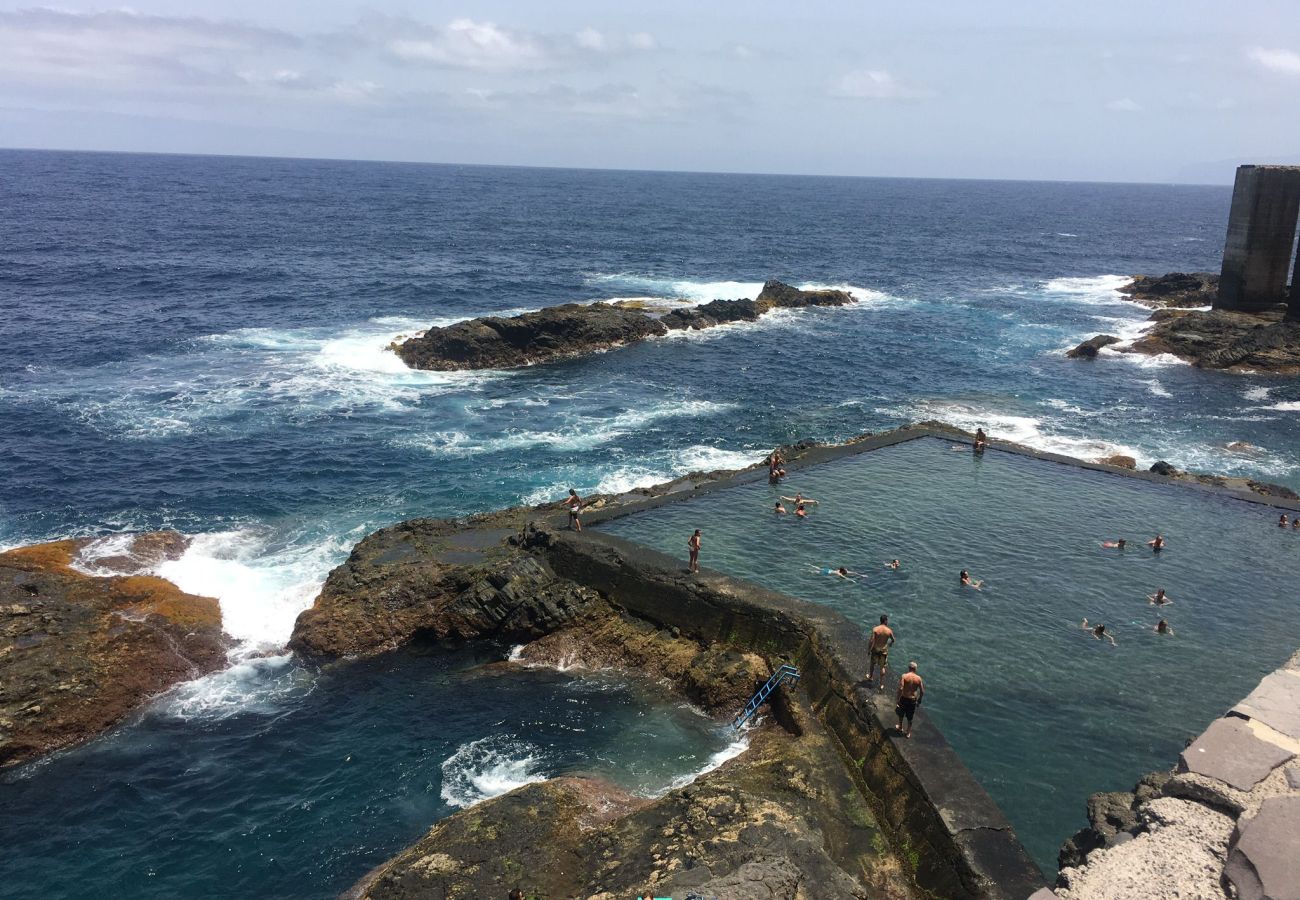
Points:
(966, 580)
(798, 498)
(1114, 545)
(892, 564)
(841, 572)
(1159, 598)
(1282, 523)
(779, 509)
(1157, 543)
(801, 511)
(1295, 524)
(1163, 627)
(981, 440)
(1099, 632)
(882, 637)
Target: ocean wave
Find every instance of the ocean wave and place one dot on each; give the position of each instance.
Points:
(487, 768)
(655, 288)
(262, 584)
(1156, 388)
(579, 432)
(1285, 406)
(731, 751)
(260, 685)
(1091, 290)
(661, 466)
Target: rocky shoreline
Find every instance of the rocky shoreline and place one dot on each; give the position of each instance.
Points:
(79, 652)
(574, 329)
(1182, 325)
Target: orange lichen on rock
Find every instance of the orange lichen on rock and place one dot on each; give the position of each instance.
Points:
(55, 556)
(151, 595)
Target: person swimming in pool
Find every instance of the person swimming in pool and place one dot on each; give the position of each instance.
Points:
(1159, 598)
(1163, 627)
(801, 511)
(840, 572)
(1295, 524)
(798, 499)
(967, 582)
(892, 564)
(779, 509)
(1282, 523)
(1099, 632)
(1119, 544)
(1157, 543)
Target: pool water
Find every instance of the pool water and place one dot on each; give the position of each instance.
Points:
(1042, 713)
(272, 781)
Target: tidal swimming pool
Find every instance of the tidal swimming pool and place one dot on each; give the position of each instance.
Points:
(1041, 712)
(271, 781)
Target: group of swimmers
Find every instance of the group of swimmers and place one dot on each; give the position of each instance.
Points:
(1295, 522)
(1158, 599)
(801, 504)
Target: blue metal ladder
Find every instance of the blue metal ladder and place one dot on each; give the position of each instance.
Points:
(783, 674)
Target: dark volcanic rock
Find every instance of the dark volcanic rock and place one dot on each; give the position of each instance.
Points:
(783, 820)
(1223, 339)
(80, 652)
(574, 329)
(1175, 289)
(552, 333)
(1088, 349)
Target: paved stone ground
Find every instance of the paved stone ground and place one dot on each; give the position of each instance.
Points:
(1227, 824)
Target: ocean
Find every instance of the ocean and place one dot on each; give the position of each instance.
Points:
(199, 343)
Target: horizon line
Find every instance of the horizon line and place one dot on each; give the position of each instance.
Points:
(570, 168)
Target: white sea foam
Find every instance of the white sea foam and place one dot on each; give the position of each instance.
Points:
(262, 586)
(111, 545)
(1156, 388)
(1099, 289)
(577, 433)
(655, 469)
(731, 751)
(656, 288)
(1285, 406)
(489, 767)
(1257, 393)
(256, 685)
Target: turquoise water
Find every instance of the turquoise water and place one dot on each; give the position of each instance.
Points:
(270, 781)
(1041, 712)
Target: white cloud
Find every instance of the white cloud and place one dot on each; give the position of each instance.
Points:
(741, 51)
(875, 84)
(591, 39)
(642, 40)
(1124, 104)
(1286, 62)
(468, 44)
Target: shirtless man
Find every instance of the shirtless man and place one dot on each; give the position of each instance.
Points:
(1099, 632)
(966, 580)
(1159, 598)
(910, 691)
(574, 503)
(1282, 523)
(693, 545)
(1114, 545)
(882, 637)
(1157, 543)
(1163, 627)
(779, 509)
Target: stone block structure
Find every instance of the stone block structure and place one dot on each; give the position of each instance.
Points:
(1258, 251)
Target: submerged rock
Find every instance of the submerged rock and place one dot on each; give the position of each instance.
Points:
(79, 652)
(575, 329)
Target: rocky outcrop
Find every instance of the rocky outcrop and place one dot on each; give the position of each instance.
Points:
(1089, 348)
(79, 652)
(575, 329)
(1119, 461)
(1223, 339)
(783, 820)
(1177, 289)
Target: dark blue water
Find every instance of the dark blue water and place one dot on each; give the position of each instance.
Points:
(198, 343)
(308, 783)
(1041, 712)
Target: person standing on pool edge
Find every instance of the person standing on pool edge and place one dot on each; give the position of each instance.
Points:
(693, 545)
(882, 636)
(574, 503)
(910, 691)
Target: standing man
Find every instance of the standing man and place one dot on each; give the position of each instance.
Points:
(574, 503)
(693, 545)
(910, 691)
(882, 636)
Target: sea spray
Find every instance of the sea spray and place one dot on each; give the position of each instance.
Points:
(489, 767)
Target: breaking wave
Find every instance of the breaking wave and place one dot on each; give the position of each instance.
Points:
(487, 768)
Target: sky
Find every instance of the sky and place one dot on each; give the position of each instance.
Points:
(1098, 91)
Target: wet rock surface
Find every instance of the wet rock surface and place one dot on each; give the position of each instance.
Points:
(1176, 289)
(1092, 346)
(1223, 339)
(782, 820)
(574, 329)
(79, 652)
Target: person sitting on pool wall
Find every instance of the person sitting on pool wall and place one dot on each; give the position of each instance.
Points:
(910, 691)
(981, 440)
(882, 636)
